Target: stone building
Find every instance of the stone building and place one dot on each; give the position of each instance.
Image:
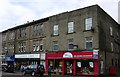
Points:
(86, 38)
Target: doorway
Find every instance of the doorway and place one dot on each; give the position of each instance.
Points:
(69, 67)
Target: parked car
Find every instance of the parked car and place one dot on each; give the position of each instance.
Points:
(8, 68)
(34, 70)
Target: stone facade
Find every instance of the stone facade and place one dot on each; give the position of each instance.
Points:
(100, 32)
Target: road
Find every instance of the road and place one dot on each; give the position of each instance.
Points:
(19, 74)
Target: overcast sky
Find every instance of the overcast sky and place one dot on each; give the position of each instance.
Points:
(17, 12)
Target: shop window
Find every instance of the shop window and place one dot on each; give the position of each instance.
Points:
(70, 44)
(56, 66)
(55, 46)
(70, 27)
(55, 30)
(85, 67)
(88, 23)
(89, 42)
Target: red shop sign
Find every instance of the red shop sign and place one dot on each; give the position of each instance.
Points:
(70, 55)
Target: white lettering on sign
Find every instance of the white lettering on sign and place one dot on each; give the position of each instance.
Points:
(95, 52)
(83, 55)
(67, 55)
(27, 56)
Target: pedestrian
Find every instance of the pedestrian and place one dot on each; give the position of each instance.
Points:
(49, 70)
(71, 69)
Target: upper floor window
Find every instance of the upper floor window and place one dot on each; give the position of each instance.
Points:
(38, 30)
(55, 46)
(70, 27)
(11, 48)
(22, 47)
(4, 37)
(12, 35)
(89, 42)
(111, 46)
(37, 45)
(111, 31)
(88, 23)
(55, 30)
(70, 44)
(117, 35)
(4, 48)
(23, 32)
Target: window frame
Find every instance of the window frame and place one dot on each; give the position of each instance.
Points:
(70, 43)
(55, 29)
(70, 27)
(54, 46)
(88, 25)
(111, 31)
(112, 48)
(88, 41)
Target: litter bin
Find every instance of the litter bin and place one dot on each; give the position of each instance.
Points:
(113, 70)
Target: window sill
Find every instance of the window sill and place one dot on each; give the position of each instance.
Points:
(54, 35)
(111, 36)
(71, 33)
(88, 30)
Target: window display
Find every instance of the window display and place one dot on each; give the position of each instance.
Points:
(57, 65)
(85, 67)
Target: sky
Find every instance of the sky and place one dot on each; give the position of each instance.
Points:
(17, 12)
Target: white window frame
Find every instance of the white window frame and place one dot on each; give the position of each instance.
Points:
(4, 37)
(88, 41)
(111, 31)
(37, 45)
(112, 49)
(55, 30)
(88, 25)
(70, 27)
(55, 45)
(72, 43)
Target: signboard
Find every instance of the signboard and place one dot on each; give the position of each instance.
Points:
(67, 55)
(72, 55)
(27, 56)
(42, 56)
(9, 58)
(95, 54)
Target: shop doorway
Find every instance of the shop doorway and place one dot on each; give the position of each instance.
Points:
(69, 67)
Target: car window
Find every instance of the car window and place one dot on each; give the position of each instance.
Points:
(34, 66)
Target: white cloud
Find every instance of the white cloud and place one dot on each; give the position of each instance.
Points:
(16, 12)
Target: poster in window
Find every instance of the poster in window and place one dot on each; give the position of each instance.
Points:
(91, 64)
(79, 64)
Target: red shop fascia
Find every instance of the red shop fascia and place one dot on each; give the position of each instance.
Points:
(74, 57)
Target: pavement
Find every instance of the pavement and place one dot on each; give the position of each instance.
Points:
(19, 74)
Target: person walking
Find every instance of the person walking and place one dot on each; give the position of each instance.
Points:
(49, 70)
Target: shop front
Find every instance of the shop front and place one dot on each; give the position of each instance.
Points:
(10, 60)
(28, 59)
(75, 63)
